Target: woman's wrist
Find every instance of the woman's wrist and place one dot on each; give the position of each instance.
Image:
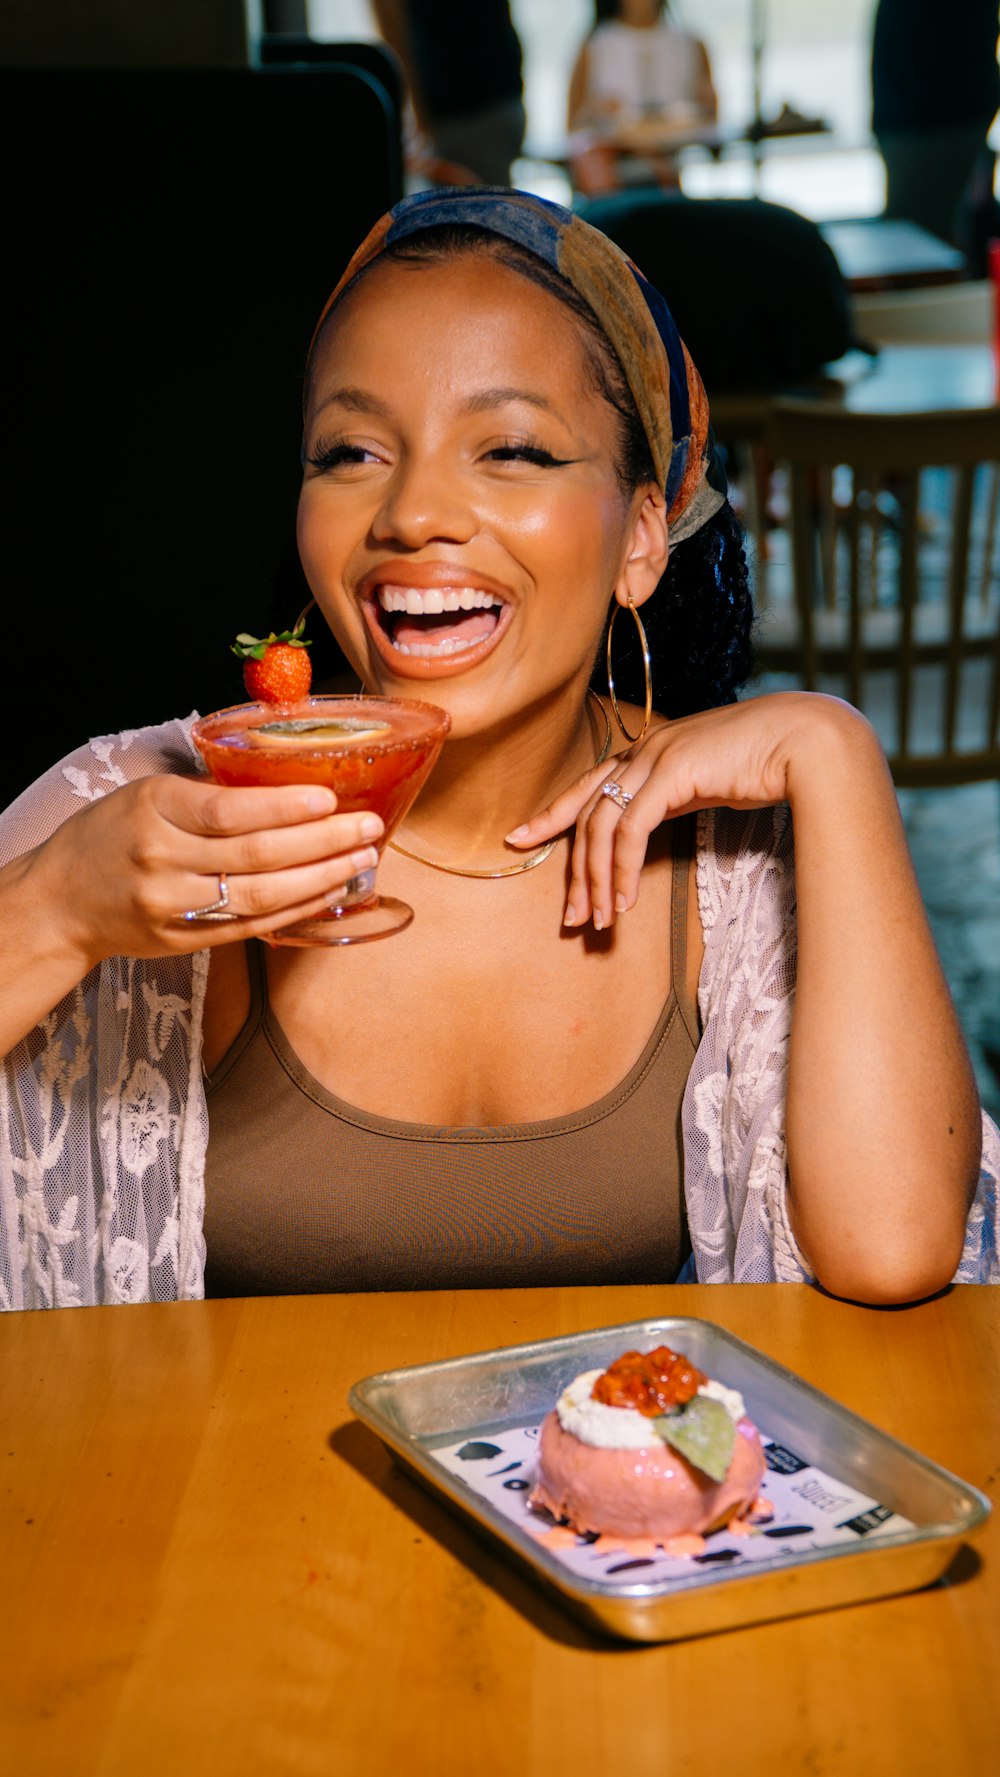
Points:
(41, 958)
(830, 747)
(34, 904)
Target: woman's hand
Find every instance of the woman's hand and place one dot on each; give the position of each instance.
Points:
(745, 755)
(117, 877)
(120, 874)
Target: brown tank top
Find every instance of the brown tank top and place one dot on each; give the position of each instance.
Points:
(307, 1193)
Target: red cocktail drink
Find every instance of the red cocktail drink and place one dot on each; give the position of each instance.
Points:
(373, 752)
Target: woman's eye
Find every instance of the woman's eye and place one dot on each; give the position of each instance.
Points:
(338, 456)
(525, 453)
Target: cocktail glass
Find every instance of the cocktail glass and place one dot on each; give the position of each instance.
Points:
(374, 752)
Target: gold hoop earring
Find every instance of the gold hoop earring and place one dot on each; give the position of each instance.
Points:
(643, 643)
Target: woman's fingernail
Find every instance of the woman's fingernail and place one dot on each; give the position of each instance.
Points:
(366, 859)
(518, 834)
(569, 917)
(598, 921)
(621, 905)
(370, 827)
(320, 801)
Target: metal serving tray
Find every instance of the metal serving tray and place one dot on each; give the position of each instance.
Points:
(422, 1413)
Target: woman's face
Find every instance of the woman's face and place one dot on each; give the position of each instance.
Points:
(461, 522)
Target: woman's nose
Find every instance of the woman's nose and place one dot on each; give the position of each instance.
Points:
(424, 502)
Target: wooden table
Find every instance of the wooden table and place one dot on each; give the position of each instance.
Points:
(652, 136)
(916, 378)
(925, 377)
(928, 377)
(210, 1567)
(888, 253)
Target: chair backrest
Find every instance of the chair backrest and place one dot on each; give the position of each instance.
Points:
(167, 257)
(756, 292)
(896, 596)
(371, 56)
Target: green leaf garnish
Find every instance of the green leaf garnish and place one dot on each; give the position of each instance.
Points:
(703, 1433)
(248, 647)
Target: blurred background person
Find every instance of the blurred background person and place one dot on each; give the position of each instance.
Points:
(935, 94)
(463, 71)
(638, 78)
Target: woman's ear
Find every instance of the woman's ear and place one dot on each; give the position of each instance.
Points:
(648, 549)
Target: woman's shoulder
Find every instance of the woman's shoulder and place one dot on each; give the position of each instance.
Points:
(101, 765)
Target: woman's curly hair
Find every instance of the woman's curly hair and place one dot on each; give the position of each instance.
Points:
(698, 623)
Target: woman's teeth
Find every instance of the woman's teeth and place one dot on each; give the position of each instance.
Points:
(432, 601)
(418, 618)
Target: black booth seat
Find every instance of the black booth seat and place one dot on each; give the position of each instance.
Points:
(756, 292)
(171, 238)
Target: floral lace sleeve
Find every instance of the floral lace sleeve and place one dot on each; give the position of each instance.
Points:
(104, 1127)
(734, 1105)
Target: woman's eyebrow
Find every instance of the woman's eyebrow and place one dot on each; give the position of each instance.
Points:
(356, 400)
(485, 399)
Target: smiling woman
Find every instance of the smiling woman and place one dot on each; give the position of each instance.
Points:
(631, 1029)
(492, 496)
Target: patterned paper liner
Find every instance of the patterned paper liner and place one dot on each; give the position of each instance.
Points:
(801, 1508)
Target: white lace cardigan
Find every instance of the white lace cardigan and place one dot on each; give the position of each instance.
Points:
(105, 1126)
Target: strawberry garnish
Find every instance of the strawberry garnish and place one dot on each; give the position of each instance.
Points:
(276, 668)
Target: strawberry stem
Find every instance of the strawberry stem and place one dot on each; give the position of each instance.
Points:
(248, 647)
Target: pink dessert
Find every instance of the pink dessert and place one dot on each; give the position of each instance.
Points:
(609, 1460)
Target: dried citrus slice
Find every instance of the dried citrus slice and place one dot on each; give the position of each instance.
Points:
(316, 732)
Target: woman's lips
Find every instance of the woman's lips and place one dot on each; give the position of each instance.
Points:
(435, 630)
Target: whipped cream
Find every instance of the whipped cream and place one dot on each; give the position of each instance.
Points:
(622, 1428)
(730, 1398)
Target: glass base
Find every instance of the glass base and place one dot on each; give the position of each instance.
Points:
(348, 925)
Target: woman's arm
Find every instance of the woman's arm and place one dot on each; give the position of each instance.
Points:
(882, 1123)
(115, 874)
(882, 1119)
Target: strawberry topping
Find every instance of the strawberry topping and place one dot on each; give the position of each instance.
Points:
(649, 1382)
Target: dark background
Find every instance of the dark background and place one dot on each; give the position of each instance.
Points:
(171, 237)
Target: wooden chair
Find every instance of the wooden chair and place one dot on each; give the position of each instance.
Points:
(898, 615)
(942, 314)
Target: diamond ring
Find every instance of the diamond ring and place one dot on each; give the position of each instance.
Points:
(216, 912)
(617, 794)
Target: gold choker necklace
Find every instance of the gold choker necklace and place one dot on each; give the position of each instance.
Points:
(536, 857)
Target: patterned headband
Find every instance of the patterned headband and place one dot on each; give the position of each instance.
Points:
(667, 390)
